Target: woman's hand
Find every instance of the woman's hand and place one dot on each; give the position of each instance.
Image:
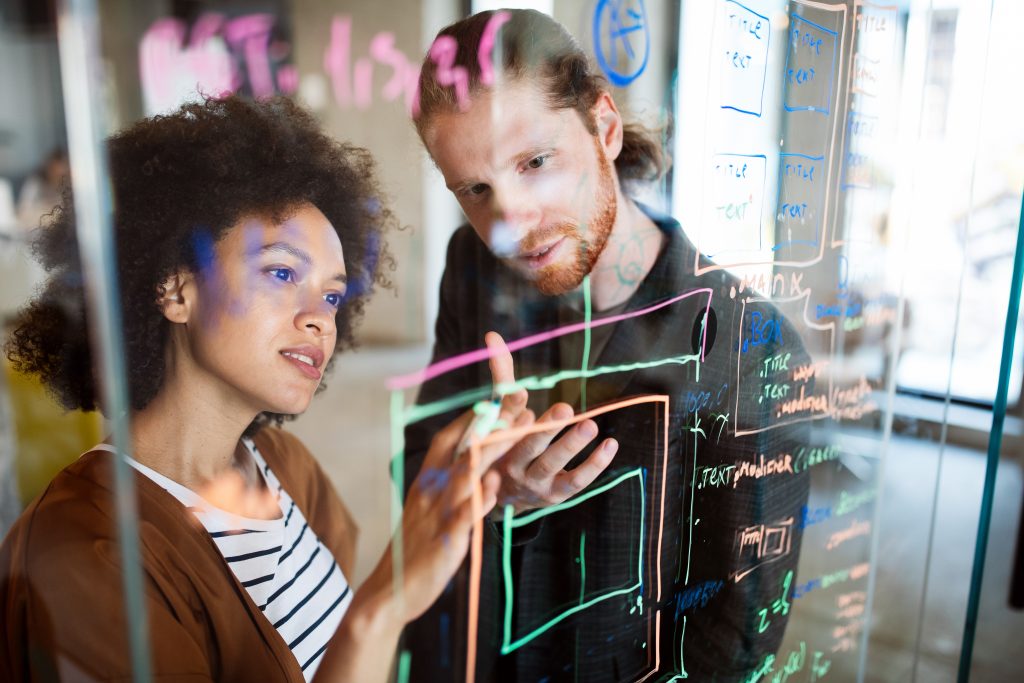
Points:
(439, 512)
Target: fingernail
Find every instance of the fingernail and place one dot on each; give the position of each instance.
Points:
(588, 429)
(610, 446)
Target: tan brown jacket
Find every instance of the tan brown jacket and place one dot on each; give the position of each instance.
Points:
(61, 602)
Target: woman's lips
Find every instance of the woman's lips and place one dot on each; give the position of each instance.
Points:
(543, 256)
(310, 371)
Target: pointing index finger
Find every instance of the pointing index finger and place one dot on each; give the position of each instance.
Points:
(502, 368)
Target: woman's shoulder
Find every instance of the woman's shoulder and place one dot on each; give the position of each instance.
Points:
(74, 519)
(71, 527)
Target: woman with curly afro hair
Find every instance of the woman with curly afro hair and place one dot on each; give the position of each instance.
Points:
(247, 244)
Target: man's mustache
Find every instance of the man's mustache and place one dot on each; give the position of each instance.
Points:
(504, 245)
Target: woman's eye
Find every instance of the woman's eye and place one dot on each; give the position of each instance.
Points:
(334, 299)
(536, 162)
(283, 274)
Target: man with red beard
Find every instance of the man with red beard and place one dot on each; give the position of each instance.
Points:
(602, 588)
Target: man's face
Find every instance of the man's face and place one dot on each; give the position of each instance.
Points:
(537, 187)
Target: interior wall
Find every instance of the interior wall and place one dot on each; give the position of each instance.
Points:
(31, 110)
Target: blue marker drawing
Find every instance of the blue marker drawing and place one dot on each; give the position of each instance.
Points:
(621, 24)
(806, 47)
(738, 182)
(748, 37)
(857, 170)
(801, 196)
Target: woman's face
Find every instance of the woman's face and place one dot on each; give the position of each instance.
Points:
(262, 325)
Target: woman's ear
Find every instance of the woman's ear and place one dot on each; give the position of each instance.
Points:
(176, 297)
(609, 125)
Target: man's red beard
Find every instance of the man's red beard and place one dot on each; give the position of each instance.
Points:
(559, 278)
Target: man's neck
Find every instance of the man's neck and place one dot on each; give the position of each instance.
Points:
(632, 249)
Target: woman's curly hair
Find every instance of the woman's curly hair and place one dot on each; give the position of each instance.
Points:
(179, 182)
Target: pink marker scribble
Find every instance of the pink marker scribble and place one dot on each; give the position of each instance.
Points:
(442, 53)
(353, 83)
(252, 34)
(470, 357)
(483, 54)
(414, 100)
(382, 49)
(222, 54)
(288, 79)
(362, 77)
(207, 26)
(159, 53)
(405, 76)
(337, 60)
(215, 72)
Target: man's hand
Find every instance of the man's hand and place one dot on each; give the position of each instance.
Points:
(533, 473)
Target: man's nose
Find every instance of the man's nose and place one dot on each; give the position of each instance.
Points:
(516, 215)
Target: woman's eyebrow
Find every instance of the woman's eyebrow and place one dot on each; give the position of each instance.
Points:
(299, 254)
(288, 249)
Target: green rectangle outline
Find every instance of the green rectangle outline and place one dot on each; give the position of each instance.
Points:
(510, 523)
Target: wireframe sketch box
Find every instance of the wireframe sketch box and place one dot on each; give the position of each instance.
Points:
(875, 37)
(810, 70)
(627, 492)
(744, 37)
(760, 544)
(800, 211)
(772, 390)
(737, 204)
(857, 166)
(610, 536)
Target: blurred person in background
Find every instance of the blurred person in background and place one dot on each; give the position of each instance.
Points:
(41, 190)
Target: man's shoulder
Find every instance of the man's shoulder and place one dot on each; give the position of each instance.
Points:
(468, 259)
(465, 243)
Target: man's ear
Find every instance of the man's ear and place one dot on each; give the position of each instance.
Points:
(176, 297)
(609, 125)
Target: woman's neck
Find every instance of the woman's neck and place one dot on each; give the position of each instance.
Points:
(188, 435)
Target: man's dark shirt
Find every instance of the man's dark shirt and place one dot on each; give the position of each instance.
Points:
(606, 589)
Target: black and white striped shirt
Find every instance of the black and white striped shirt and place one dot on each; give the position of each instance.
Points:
(284, 567)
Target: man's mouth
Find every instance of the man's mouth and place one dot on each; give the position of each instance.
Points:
(542, 256)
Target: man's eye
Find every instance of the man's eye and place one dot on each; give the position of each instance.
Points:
(283, 274)
(478, 189)
(537, 162)
(334, 299)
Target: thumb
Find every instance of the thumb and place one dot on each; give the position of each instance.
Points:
(442, 446)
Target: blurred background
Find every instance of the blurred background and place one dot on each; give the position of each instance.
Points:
(940, 223)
